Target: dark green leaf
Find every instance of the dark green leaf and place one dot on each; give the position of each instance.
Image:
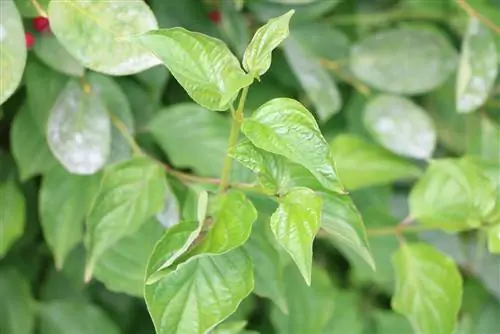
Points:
(54, 55)
(346, 316)
(390, 322)
(17, 310)
(12, 214)
(234, 26)
(306, 10)
(27, 9)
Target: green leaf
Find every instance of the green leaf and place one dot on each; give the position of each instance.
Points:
(12, 214)
(343, 224)
(200, 293)
(54, 55)
(234, 27)
(269, 129)
(452, 195)
(401, 126)
(295, 224)
(305, 10)
(100, 34)
(478, 67)
(390, 322)
(17, 310)
(235, 327)
(361, 164)
(27, 9)
(78, 130)
(13, 55)
(346, 316)
(65, 316)
(64, 200)
(29, 147)
(405, 60)
(428, 288)
(258, 55)
(130, 193)
(203, 65)
(494, 239)
(170, 215)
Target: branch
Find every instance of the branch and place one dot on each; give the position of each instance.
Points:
(472, 12)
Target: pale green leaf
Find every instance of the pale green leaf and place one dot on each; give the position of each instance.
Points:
(494, 239)
(17, 309)
(478, 67)
(130, 193)
(490, 170)
(54, 55)
(428, 288)
(13, 55)
(404, 60)
(63, 202)
(305, 10)
(258, 55)
(295, 224)
(12, 214)
(78, 130)
(203, 65)
(269, 129)
(401, 126)
(100, 33)
(362, 164)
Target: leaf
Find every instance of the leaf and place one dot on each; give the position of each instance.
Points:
(269, 129)
(99, 34)
(361, 164)
(346, 316)
(405, 60)
(13, 56)
(27, 9)
(295, 224)
(78, 130)
(170, 215)
(257, 57)
(343, 224)
(306, 11)
(54, 55)
(234, 327)
(428, 288)
(494, 239)
(200, 293)
(29, 147)
(390, 322)
(203, 65)
(401, 126)
(64, 316)
(478, 67)
(12, 214)
(130, 255)
(18, 314)
(453, 195)
(63, 202)
(130, 193)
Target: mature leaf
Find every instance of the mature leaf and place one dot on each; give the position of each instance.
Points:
(142, 104)
(200, 293)
(64, 201)
(12, 214)
(17, 310)
(361, 164)
(404, 60)
(69, 316)
(78, 130)
(478, 67)
(295, 224)
(203, 65)
(452, 195)
(13, 55)
(54, 55)
(401, 126)
(269, 129)
(130, 193)
(99, 33)
(28, 9)
(428, 288)
(258, 55)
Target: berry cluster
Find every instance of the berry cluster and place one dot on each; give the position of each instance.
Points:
(40, 24)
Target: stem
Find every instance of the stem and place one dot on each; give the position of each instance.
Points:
(335, 67)
(125, 133)
(472, 12)
(39, 8)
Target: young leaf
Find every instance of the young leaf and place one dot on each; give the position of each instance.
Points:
(18, 314)
(478, 67)
(269, 129)
(12, 214)
(130, 193)
(295, 224)
(99, 34)
(54, 55)
(78, 130)
(494, 239)
(428, 288)
(203, 65)
(257, 57)
(13, 55)
(64, 201)
(401, 126)
(361, 164)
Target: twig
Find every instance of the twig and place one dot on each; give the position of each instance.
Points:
(472, 12)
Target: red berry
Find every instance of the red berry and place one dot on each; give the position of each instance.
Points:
(41, 24)
(30, 40)
(214, 16)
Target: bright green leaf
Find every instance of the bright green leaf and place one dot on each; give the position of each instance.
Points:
(100, 34)
(170, 215)
(269, 129)
(258, 55)
(12, 214)
(54, 55)
(13, 55)
(17, 310)
(203, 65)
(401, 126)
(494, 239)
(428, 288)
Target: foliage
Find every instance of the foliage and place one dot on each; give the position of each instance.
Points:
(240, 166)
